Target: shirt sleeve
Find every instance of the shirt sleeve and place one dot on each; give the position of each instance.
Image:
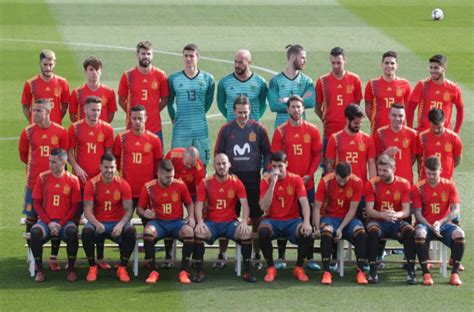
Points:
(319, 91)
(321, 191)
(73, 104)
(221, 98)
(201, 192)
(310, 101)
(369, 192)
(416, 200)
(358, 189)
(123, 86)
(210, 93)
(331, 148)
(126, 190)
(24, 147)
(368, 96)
(26, 96)
(143, 199)
(274, 98)
(89, 191)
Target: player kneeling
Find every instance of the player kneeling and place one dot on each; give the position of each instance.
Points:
(436, 204)
(221, 192)
(108, 208)
(339, 195)
(161, 201)
(56, 198)
(280, 193)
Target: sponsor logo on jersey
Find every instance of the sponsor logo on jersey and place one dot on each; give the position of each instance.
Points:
(240, 151)
(252, 136)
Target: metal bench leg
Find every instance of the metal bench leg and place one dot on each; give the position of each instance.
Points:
(340, 256)
(31, 263)
(173, 251)
(443, 255)
(238, 259)
(135, 259)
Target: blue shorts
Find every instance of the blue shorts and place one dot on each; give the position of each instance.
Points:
(389, 229)
(202, 145)
(284, 228)
(347, 232)
(47, 234)
(221, 229)
(109, 227)
(28, 209)
(167, 228)
(446, 230)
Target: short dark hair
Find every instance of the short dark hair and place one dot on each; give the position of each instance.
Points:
(241, 100)
(353, 111)
(389, 54)
(343, 169)
(439, 58)
(59, 152)
(278, 156)
(93, 99)
(138, 108)
(146, 45)
(47, 54)
(397, 106)
(433, 163)
(385, 159)
(166, 165)
(295, 98)
(338, 51)
(92, 61)
(191, 47)
(107, 157)
(436, 116)
(293, 49)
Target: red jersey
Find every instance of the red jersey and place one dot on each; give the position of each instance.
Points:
(89, 144)
(79, 96)
(190, 176)
(335, 95)
(446, 147)
(387, 196)
(59, 197)
(56, 89)
(355, 149)
(435, 202)
(303, 147)
(428, 95)
(285, 205)
(137, 158)
(167, 202)
(382, 94)
(221, 197)
(146, 90)
(336, 199)
(36, 144)
(107, 198)
(405, 140)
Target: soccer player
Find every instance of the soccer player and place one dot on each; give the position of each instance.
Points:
(334, 92)
(381, 93)
(436, 92)
(246, 143)
(242, 82)
(108, 209)
(221, 192)
(292, 81)
(144, 85)
(282, 193)
(138, 152)
(36, 142)
(338, 195)
(56, 198)
(46, 85)
(388, 203)
(191, 92)
(441, 142)
(301, 142)
(398, 141)
(436, 204)
(92, 87)
(355, 147)
(161, 202)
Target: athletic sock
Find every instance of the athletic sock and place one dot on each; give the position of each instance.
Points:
(188, 245)
(457, 250)
(326, 249)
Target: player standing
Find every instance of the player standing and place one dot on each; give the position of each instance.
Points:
(191, 92)
(46, 85)
(242, 82)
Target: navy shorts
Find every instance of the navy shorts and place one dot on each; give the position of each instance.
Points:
(284, 228)
(47, 233)
(347, 232)
(446, 230)
(389, 229)
(221, 229)
(167, 228)
(109, 227)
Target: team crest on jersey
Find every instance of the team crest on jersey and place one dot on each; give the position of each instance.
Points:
(448, 147)
(406, 143)
(446, 96)
(147, 147)
(100, 137)
(349, 192)
(54, 140)
(399, 92)
(66, 190)
(104, 101)
(307, 138)
(397, 195)
(116, 195)
(349, 89)
(361, 146)
(230, 194)
(174, 197)
(444, 196)
(299, 85)
(154, 84)
(289, 190)
(253, 88)
(252, 136)
(189, 178)
(57, 92)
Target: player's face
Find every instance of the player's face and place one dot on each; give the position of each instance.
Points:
(39, 112)
(354, 125)
(92, 74)
(433, 176)
(397, 117)
(165, 177)
(56, 164)
(342, 181)
(93, 111)
(138, 120)
(385, 172)
(242, 113)
(189, 161)
(190, 59)
(389, 66)
(279, 167)
(47, 67)
(296, 110)
(145, 57)
(437, 129)
(300, 60)
(337, 64)
(107, 169)
(437, 71)
(241, 64)
(221, 165)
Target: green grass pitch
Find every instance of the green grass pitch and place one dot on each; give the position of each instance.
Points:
(110, 30)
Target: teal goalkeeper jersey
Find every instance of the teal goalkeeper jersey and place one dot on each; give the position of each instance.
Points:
(254, 88)
(189, 101)
(281, 87)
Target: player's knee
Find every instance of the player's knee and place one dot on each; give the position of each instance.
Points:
(36, 233)
(30, 220)
(407, 230)
(265, 232)
(149, 233)
(420, 233)
(88, 232)
(71, 232)
(130, 232)
(458, 234)
(373, 229)
(358, 230)
(186, 231)
(328, 228)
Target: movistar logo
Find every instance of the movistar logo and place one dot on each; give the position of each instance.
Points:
(240, 151)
